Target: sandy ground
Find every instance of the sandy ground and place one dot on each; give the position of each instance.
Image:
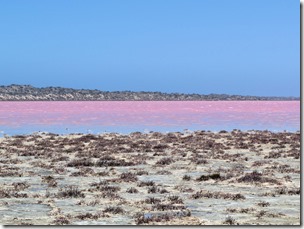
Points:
(192, 178)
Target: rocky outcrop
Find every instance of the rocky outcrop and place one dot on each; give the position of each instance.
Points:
(29, 93)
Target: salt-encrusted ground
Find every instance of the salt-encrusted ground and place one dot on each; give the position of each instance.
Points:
(176, 178)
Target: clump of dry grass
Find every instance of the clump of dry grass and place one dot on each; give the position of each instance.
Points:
(198, 160)
(88, 215)
(144, 218)
(114, 210)
(106, 161)
(128, 177)
(230, 221)
(83, 171)
(167, 207)
(20, 186)
(274, 154)
(175, 199)
(6, 171)
(165, 161)
(217, 195)
(263, 204)
(215, 176)
(141, 172)
(256, 177)
(132, 190)
(140, 218)
(50, 180)
(146, 183)
(80, 162)
(71, 191)
(260, 163)
(104, 186)
(240, 210)
(163, 172)
(288, 191)
(186, 177)
(152, 200)
(109, 195)
(11, 193)
(62, 220)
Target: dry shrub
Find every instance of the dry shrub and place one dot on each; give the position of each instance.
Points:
(89, 216)
(146, 183)
(70, 192)
(114, 210)
(80, 162)
(286, 191)
(215, 176)
(166, 207)
(142, 218)
(109, 195)
(61, 220)
(104, 186)
(152, 200)
(263, 204)
(128, 177)
(186, 177)
(20, 186)
(165, 161)
(230, 221)
(132, 190)
(112, 161)
(217, 195)
(11, 193)
(256, 177)
(175, 200)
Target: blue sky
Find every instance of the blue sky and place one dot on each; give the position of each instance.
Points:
(188, 46)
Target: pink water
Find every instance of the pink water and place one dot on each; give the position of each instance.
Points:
(128, 116)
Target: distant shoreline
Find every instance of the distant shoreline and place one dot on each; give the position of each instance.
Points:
(115, 133)
(16, 92)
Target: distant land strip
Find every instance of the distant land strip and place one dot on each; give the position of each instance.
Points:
(16, 92)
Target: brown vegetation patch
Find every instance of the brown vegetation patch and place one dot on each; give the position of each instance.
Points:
(256, 177)
(114, 210)
(217, 195)
(112, 161)
(11, 193)
(70, 192)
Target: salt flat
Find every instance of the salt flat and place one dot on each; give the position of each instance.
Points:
(199, 178)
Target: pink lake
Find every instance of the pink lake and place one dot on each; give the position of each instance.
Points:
(130, 116)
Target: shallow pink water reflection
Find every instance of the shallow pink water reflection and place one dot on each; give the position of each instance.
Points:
(152, 115)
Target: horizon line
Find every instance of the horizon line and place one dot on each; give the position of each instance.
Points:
(181, 93)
